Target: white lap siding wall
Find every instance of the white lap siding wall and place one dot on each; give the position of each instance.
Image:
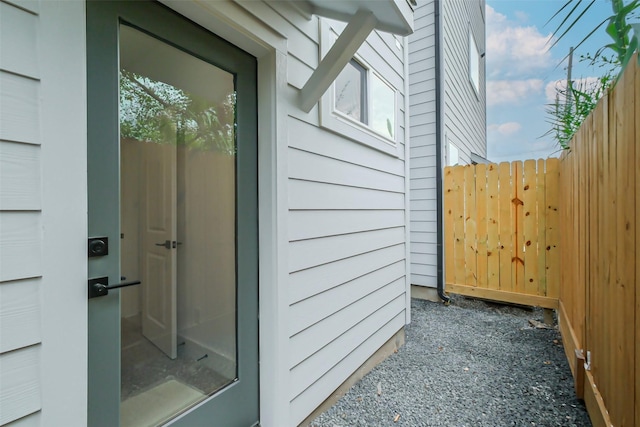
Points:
(462, 113)
(422, 89)
(347, 276)
(43, 347)
(465, 109)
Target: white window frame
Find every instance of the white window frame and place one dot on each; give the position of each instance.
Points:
(451, 148)
(338, 122)
(474, 63)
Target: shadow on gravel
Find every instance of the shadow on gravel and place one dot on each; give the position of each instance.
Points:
(473, 363)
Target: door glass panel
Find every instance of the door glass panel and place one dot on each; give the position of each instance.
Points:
(178, 216)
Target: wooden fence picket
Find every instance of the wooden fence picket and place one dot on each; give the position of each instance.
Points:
(492, 235)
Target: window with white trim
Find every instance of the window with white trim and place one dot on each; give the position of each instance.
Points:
(362, 95)
(361, 105)
(351, 90)
(453, 154)
(474, 62)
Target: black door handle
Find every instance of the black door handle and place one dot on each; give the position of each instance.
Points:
(169, 244)
(99, 287)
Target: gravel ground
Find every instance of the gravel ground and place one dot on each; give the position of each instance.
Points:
(472, 363)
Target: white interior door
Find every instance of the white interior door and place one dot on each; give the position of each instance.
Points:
(159, 228)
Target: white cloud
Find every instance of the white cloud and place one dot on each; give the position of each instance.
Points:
(589, 83)
(521, 16)
(512, 91)
(514, 49)
(505, 129)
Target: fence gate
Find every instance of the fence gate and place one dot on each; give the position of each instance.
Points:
(501, 231)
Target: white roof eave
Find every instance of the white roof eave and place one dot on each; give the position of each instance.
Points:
(393, 16)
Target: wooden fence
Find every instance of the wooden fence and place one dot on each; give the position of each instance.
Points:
(501, 231)
(599, 310)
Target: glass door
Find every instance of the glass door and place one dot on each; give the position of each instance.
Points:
(181, 163)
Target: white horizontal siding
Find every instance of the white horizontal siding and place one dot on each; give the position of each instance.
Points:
(317, 195)
(310, 253)
(18, 40)
(19, 383)
(308, 166)
(325, 384)
(342, 333)
(316, 140)
(20, 114)
(423, 194)
(20, 245)
(308, 283)
(313, 310)
(313, 224)
(314, 348)
(424, 226)
(20, 319)
(19, 176)
(426, 179)
(21, 231)
(423, 248)
(298, 72)
(465, 111)
(422, 81)
(32, 6)
(32, 420)
(346, 226)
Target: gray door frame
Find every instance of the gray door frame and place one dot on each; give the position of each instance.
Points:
(238, 403)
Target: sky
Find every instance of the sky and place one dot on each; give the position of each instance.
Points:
(522, 72)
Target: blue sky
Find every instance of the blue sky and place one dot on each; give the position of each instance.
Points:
(522, 72)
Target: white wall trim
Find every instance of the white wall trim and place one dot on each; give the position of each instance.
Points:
(274, 244)
(63, 107)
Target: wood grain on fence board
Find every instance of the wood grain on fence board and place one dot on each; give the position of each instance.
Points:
(449, 199)
(493, 233)
(552, 234)
(542, 228)
(506, 242)
(458, 225)
(481, 226)
(470, 232)
(492, 217)
(529, 231)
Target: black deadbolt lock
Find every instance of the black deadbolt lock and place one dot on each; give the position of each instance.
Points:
(98, 246)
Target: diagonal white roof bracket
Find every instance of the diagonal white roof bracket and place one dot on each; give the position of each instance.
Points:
(348, 43)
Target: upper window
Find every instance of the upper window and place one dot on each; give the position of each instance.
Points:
(362, 105)
(362, 95)
(351, 90)
(474, 63)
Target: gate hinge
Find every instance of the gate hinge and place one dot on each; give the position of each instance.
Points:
(587, 364)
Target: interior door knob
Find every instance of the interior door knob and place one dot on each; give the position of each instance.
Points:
(166, 244)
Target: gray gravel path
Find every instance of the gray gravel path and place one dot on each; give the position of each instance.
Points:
(470, 364)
